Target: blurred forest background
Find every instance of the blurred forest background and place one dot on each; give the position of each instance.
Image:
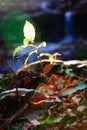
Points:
(61, 23)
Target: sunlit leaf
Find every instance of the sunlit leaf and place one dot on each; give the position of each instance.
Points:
(56, 54)
(26, 41)
(43, 44)
(19, 48)
(50, 56)
(82, 65)
(29, 31)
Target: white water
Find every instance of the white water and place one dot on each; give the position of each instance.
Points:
(68, 28)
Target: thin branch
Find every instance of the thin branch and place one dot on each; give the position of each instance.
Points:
(15, 116)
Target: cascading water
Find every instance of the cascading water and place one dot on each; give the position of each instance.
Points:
(68, 33)
(68, 24)
(68, 28)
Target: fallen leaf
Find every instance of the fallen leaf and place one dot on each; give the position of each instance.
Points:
(47, 68)
(27, 126)
(70, 113)
(35, 122)
(26, 81)
(81, 108)
(76, 100)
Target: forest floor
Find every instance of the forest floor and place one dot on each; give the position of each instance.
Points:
(45, 96)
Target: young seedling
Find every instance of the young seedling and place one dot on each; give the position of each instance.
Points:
(29, 34)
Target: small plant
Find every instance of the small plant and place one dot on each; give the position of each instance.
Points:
(28, 41)
(29, 34)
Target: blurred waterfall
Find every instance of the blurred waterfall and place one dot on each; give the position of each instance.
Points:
(68, 28)
(68, 24)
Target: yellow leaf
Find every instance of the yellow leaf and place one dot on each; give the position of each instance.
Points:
(26, 41)
(43, 44)
(29, 31)
(51, 57)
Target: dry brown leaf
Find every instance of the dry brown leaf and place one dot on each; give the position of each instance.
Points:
(47, 68)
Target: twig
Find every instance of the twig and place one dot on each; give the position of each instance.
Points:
(2, 58)
(15, 116)
(10, 69)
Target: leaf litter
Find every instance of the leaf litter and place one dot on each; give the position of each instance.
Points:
(52, 99)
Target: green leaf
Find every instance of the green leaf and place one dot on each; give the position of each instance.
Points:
(19, 48)
(3, 96)
(69, 72)
(50, 119)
